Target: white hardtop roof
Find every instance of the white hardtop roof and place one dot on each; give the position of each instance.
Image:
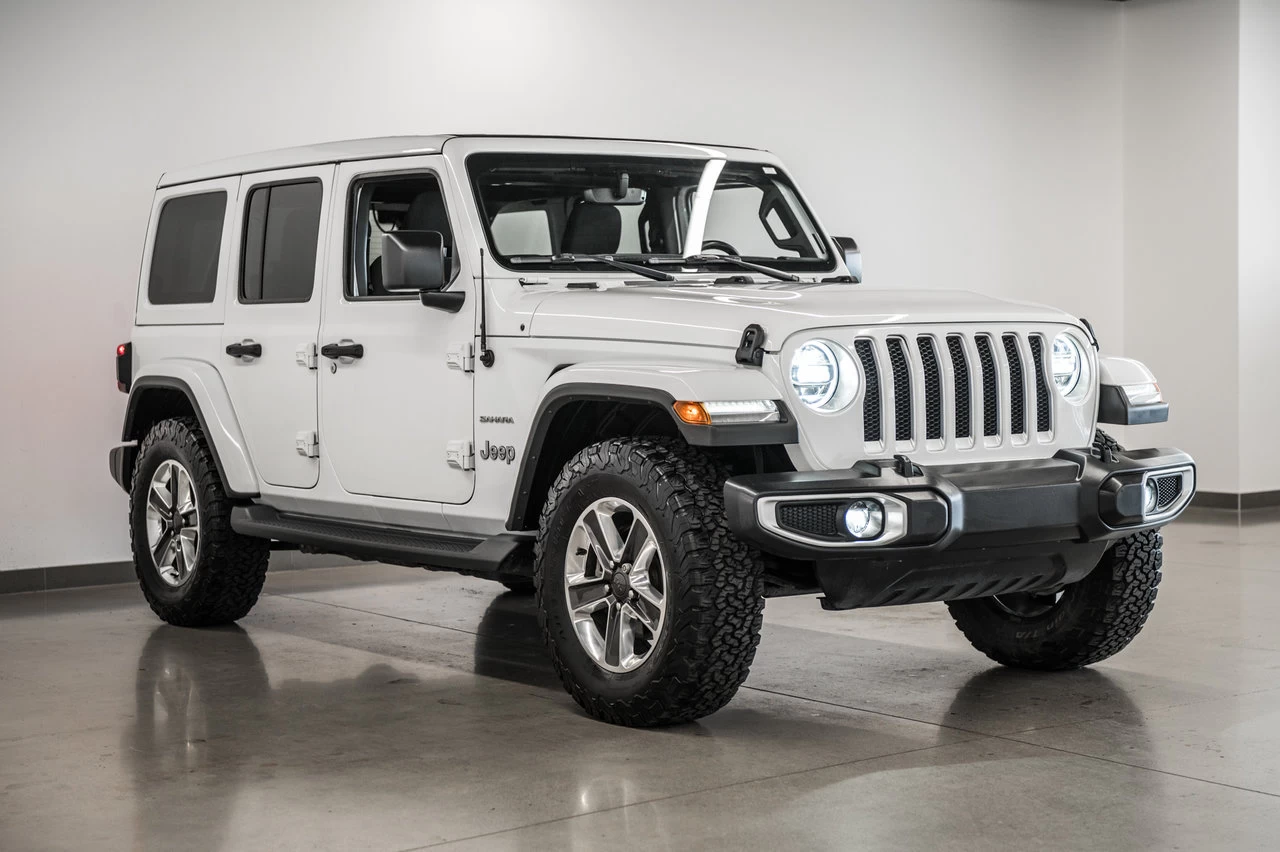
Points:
(378, 148)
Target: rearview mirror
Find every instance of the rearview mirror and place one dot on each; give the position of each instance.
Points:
(852, 257)
(413, 262)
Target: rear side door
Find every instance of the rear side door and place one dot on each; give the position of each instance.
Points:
(268, 356)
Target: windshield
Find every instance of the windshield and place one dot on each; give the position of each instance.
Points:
(538, 208)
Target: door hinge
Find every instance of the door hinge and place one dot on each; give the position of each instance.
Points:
(306, 356)
(460, 454)
(461, 356)
(308, 444)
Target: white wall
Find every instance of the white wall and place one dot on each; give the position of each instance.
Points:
(1201, 136)
(1180, 208)
(1259, 296)
(965, 143)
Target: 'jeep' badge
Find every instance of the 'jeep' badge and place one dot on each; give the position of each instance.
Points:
(499, 453)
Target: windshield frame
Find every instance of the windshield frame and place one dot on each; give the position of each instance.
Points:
(827, 263)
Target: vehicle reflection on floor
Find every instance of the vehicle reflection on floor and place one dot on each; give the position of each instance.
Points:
(211, 724)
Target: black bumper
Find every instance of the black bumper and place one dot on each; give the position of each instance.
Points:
(964, 530)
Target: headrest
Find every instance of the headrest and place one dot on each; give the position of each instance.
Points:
(593, 229)
(427, 213)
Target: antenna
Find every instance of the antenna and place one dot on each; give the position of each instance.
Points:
(486, 354)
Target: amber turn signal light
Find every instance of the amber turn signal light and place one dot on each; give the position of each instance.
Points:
(692, 413)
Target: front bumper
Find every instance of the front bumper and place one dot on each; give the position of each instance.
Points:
(959, 531)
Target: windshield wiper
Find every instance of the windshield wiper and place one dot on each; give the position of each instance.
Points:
(610, 260)
(733, 259)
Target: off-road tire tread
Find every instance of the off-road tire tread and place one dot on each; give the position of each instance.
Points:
(716, 621)
(232, 567)
(1118, 597)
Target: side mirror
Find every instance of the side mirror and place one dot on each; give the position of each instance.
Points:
(413, 262)
(852, 257)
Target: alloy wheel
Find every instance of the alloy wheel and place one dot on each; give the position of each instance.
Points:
(173, 523)
(615, 585)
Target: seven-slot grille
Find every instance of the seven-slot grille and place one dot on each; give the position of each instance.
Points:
(954, 389)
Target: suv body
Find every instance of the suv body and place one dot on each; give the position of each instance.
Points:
(469, 353)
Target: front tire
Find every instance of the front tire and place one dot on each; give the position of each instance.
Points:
(1084, 623)
(649, 605)
(195, 571)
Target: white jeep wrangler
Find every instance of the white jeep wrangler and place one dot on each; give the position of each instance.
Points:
(635, 377)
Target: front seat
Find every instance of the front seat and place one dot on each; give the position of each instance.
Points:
(592, 229)
(426, 213)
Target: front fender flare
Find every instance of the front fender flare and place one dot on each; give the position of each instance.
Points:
(208, 396)
(659, 385)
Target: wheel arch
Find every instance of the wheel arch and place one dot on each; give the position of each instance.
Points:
(582, 405)
(193, 389)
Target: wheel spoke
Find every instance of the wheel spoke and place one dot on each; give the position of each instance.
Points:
(638, 542)
(603, 535)
(644, 587)
(613, 636)
(174, 477)
(188, 541)
(156, 500)
(638, 613)
(160, 551)
(587, 597)
(186, 496)
(626, 636)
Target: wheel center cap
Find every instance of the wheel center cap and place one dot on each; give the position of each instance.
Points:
(621, 582)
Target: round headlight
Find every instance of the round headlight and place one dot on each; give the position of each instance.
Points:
(1068, 364)
(815, 373)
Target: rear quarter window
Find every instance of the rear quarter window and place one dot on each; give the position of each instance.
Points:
(184, 259)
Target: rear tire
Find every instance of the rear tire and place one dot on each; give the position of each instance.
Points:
(195, 571)
(1086, 622)
(688, 596)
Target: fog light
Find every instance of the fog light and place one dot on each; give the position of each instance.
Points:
(864, 518)
(1150, 497)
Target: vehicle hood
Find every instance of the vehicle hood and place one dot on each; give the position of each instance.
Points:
(715, 315)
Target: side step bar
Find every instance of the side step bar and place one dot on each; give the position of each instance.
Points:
(506, 555)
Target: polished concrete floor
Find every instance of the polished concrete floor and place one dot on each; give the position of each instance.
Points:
(372, 707)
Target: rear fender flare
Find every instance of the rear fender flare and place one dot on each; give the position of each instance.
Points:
(208, 396)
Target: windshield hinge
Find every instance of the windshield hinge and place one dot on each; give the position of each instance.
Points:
(460, 454)
(751, 348)
(308, 444)
(461, 356)
(306, 355)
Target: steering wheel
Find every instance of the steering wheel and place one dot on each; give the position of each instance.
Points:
(719, 245)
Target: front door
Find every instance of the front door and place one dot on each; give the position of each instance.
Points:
(396, 412)
(272, 317)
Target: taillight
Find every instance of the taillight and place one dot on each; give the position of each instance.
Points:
(124, 367)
